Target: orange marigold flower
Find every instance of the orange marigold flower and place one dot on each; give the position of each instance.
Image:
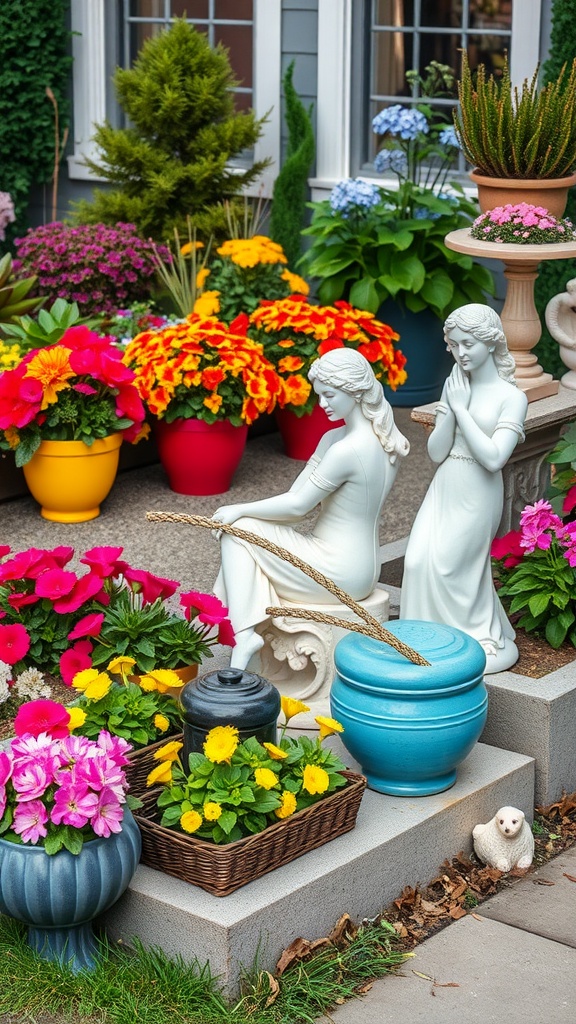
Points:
(213, 402)
(289, 364)
(212, 376)
(207, 303)
(51, 366)
(296, 391)
(329, 345)
(297, 283)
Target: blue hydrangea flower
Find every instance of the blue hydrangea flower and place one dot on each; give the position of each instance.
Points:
(448, 137)
(391, 160)
(404, 122)
(352, 195)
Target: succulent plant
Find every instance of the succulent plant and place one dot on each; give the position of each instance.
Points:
(14, 300)
(48, 326)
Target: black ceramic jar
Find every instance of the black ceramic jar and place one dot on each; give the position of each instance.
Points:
(229, 697)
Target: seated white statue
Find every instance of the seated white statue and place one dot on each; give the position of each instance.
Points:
(349, 476)
(479, 421)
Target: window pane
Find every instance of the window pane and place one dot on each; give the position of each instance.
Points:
(146, 8)
(441, 13)
(234, 10)
(442, 48)
(191, 8)
(393, 12)
(238, 40)
(391, 57)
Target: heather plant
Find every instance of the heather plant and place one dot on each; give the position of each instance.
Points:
(101, 268)
(522, 224)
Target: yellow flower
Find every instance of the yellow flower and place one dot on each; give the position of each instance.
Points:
(221, 742)
(120, 665)
(161, 723)
(291, 707)
(315, 779)
(276, 753)
(12, 437)
(51, 366)
(297, 283)
(185, 250)
(265, 778)
(160, 773)
(201, 277)
(213, 402)
(94, 684)
(160, 679)
(212, 811)
(288, 805)
(207, 303)
(169, 752)
(77, 718)
(191, 821)
(328, 726)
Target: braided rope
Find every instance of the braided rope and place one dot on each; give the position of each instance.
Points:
(373, 628)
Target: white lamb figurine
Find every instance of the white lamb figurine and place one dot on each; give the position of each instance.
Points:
(506, 841)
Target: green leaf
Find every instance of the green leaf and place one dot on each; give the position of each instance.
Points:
(539, 603)
(227, 821)
(555, 632)
(364, 295)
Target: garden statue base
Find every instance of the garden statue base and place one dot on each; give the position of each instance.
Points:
(396, 842)
(298, 654)
(527, 474)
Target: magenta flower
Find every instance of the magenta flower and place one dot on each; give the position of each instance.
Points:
(226, 634)
(38, 716)
(55, 583)
(90, 625)
(74, 660)
(30, 821)
(5, 767)
(108, 815)
(210, 610)
(17, 601)
(102, 561)
(508, 548)
(74, 805)
(115, 747)
(30, 780)
(84, 590)
(4, 550)
(569, 503)
(14, 643)
(150, 586)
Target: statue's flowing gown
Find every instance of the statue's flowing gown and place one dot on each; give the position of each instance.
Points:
(343, 545)
(447, 569)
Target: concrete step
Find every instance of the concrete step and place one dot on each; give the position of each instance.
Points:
(396, 842)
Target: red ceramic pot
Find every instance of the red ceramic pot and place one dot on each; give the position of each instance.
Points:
(198, 457)
(301, 434)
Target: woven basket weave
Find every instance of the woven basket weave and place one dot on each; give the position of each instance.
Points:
(141, 763)
(221, 870)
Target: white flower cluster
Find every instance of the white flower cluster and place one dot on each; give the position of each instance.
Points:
(30, 685)
(5, 678)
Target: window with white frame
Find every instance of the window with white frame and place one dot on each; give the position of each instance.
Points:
(366, 47)
(250, 29)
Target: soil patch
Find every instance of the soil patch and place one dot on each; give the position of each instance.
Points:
(538, 658)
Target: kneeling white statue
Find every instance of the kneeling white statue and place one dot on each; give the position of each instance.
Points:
(506, 841)
(479, 421)
(349, 476)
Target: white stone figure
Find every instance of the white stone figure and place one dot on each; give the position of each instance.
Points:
(506, 841)
(349, 476)
(479, 421)
(560, 318)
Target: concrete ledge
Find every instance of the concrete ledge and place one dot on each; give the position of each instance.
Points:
(396, 842)
(537, 717)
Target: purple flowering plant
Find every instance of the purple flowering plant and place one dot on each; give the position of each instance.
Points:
(535, 567)
(59, 790)
(522, 224)
(102, 268)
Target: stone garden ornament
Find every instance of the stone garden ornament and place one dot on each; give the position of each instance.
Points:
(561, 322)
(349, 477)
(506, 841)
(479, 421)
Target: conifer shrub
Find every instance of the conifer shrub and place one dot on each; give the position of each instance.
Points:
(291, 185)
(174, 158)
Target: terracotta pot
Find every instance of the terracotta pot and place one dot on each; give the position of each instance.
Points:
(70, 479)
(198, 457)
(301, 434)
(551, 193)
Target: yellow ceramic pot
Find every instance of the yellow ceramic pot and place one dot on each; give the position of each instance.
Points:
(70, 479)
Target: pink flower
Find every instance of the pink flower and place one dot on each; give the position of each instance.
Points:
(102, 561)
(508, 548)
(31, 780)
(55, 583)
(150, 586)
(90, 625)
(108, 814)
(17, 601)
(30, 821)
(42, 716)
(74, 805)
(4, 550)
(130, 405)
(210, 609)
(569, 501)
(74, 660)
(5, 767)
(86, 588)
(115, 747)
(226, 634)
(14, 643)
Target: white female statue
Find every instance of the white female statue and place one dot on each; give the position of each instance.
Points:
(447, 575)
(349, 476)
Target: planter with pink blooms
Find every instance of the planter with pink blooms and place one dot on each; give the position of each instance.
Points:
(69, 843)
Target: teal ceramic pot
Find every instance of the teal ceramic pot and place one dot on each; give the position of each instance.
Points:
(410, 726)
(59, 896)
(422, 342)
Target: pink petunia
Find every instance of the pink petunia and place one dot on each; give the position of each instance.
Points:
(84, 590)
(6, 765)
(569, 503)
(30, 821)
(129, 404)
(55, 583)
(4, 550)
(116, 747)
(150, 586)
(226, 633)
(102, 561)
(508, 548)
(17, 601)
(74, 805)
(14, 643)
(75, 659)
(42, 716)
(108, 815)
(90, 625)
(84, 389)
(31, 780)
(210, 609)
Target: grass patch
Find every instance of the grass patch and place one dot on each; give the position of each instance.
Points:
(147, 986)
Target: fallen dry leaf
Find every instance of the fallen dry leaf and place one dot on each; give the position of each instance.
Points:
(542, 881)
(477, 918)
(274, 988)
(426, 977)
(299, 950)
(570, 878)
(363, 989)
(343, 929)
(456, 912)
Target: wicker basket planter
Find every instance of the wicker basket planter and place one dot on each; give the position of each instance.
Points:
(221, 870)
(141, 763)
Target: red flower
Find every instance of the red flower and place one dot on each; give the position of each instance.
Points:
(226, 634)
(74, 660)
(83, 591)
(569, 501)
(102, 561)
(20, 398)
(18, 600)
(14, 643)
(149, 585)
(4, 550)
(90, 625)
(39, 716)
(129, 404)
(329, 345)
(508, 548)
